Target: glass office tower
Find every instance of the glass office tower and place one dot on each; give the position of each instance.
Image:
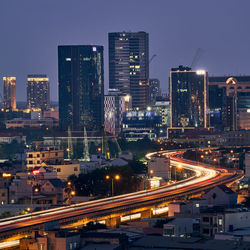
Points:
(81, 87)
(189, 98)
(129, 65)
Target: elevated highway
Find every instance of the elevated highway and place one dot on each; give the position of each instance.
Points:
(204, 178)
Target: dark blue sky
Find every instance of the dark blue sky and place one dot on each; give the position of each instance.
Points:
(30, 31)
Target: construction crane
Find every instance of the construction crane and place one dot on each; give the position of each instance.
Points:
(196, 58)
(151, 59)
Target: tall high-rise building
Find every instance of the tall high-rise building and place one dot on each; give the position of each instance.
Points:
(218, 105)
(38, 92)
(232, 99)
(115, 104)
(9, 93)
(81, 87)
(189, 98)
(129, 65)
(154, 90)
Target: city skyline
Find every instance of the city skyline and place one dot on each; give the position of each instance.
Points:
(174, 35)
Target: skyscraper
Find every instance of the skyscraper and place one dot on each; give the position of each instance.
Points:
(81, 87)
(154, 90)
(38, 94)
(9, 93)
(189, 98)
(129, 65)
(218, 103)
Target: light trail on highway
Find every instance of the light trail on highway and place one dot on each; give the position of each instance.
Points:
(204, 178)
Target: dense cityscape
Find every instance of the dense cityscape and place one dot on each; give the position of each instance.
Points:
(132, 162)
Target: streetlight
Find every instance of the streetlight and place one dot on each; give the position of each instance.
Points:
(116, 177)
(68, 152)
(179, 167)
(151, 171)
(36, 190)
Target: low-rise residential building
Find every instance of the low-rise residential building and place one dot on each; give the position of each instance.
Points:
(44, 173)
(189, 207)
(10, 137)
(65, 169)
(159, 166)
(218, 220)
(54, 187)
(63, 240)
(180, 243)
(31, 123)
(47, 155)
(221, 195)
(119, 162)
(20, 188)
(4, 195)
(181, 227)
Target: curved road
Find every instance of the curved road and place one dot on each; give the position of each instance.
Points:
(205, 177)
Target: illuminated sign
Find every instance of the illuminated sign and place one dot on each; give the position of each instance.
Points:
(5, 175)
(36, 172)
(94, 48)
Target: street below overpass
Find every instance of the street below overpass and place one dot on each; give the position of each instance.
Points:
(203, 179)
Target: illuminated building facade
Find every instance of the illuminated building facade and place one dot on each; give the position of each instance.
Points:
(46, 155)
(140, 124)
(129, 65)
(115, 104)
(81, 87)
(38, 92)
(162, 109)
(188, 98)
(154, 90)
(230, 98)
(9, 93)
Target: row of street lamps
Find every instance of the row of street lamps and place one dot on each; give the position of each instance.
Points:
(112, 178)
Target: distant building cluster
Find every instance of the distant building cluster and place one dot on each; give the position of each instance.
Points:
(134, 106)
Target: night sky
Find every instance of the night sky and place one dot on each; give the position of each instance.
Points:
(30, 31)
